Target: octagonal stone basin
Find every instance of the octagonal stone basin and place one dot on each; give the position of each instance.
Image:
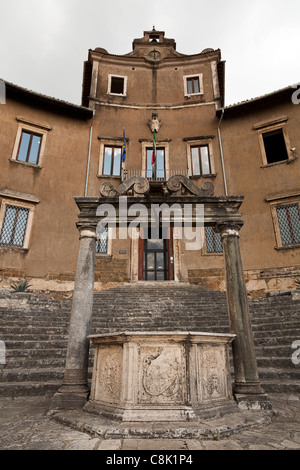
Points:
(161, 376)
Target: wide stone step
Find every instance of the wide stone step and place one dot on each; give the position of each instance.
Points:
(17, 389)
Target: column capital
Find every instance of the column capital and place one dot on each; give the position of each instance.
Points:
(87, 230)
(227, 229)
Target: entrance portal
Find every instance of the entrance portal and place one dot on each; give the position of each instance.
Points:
(156, 260)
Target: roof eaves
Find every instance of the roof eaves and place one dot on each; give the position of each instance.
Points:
(46, 98)
(236, 106)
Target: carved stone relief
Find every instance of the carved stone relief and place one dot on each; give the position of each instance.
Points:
(154, 123)
(161, 374)
(213, 382)
(109, 374)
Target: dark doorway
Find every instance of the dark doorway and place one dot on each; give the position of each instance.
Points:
(156, 256)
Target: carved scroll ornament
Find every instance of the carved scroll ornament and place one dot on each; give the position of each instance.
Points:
(138, 184)
(178, 184)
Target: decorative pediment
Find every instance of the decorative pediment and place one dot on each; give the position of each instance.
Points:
(180, 185)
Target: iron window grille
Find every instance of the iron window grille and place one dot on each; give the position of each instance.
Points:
(102, 241)
(29, 148)
(289, 223)
(14, 226)
(213, 241)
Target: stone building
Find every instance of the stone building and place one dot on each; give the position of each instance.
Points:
(151, 97)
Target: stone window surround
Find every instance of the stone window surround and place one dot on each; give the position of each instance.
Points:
(18, 200)
(110, 76)
(194, 75)
(263, 128)
(197, 143)
(36, 128)
(281, 200)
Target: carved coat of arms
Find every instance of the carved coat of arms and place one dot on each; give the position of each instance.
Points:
(154, 123)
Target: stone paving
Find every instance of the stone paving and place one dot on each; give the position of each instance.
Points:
(26, 424)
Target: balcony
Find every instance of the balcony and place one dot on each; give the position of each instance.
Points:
(154, 176)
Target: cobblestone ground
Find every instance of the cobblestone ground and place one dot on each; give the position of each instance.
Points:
(25, 425)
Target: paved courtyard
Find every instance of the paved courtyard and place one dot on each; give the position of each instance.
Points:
(25, 424)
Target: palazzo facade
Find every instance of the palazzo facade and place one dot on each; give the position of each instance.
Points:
(151, 98)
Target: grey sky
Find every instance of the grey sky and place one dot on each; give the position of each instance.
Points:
(43, 43)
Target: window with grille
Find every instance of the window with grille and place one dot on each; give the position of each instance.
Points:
(14, 226)
(29, 149)
(102, 241)
(213, 241)
(289, 223)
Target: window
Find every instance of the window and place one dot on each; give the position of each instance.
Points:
(200, 161)
(14, 226)
(288, 217)
(213, 243)
(30, 146)
(30, 142)
(275, 147)
(274, 141)
(102, 241)
(112, 161)
(193, 84)
(117, 85)
(156, 171)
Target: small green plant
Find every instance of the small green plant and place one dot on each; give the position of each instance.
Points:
(20, 285)
(297, 282)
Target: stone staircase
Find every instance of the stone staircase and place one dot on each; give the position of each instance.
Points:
(34, 329)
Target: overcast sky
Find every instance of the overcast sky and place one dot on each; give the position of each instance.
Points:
(43, 43)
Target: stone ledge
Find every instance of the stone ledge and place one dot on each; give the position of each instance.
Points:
(219, 428)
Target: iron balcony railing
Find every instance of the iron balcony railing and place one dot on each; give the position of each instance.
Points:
(154, 175)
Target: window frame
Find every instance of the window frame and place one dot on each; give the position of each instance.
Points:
(276, 223)
(199, 76)
(110, 77)
(147, 145)
(31, 134)
(112, 165)
(32, 128)
(109, 142)
(266, 128)
(27, 233)
(200, 143)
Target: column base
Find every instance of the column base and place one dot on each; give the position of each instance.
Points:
(73, 393)
(251, 396)
(69, 401)
(253, 402)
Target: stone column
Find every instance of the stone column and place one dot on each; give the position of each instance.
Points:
(74, 390)
(247, 388)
